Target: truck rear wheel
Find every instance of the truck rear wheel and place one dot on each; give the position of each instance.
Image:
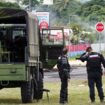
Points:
(27, 91)
(38, 88)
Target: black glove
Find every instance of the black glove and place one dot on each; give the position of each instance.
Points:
(77, 58)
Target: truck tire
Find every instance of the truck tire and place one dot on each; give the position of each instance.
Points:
(38, 88)
(27, 91)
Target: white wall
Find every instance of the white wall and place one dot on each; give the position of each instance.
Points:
(98, 47)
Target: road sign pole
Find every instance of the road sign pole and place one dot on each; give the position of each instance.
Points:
(99, 28)
(99, 42)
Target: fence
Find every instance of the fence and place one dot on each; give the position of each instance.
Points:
(74, 50)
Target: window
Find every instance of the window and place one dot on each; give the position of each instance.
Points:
(52, 37)
(12, 44)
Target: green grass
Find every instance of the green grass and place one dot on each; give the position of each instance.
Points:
(78, 94)
(74, 57)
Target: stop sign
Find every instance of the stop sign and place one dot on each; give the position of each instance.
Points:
(43, 24)
(99, 27)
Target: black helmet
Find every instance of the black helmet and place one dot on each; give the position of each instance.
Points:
(65, 50)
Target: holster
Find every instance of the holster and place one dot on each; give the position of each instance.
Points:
(66, 73)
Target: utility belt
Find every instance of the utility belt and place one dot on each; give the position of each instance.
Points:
(94, 69)
(65, 72)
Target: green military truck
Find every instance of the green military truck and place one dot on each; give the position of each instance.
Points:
(24, 52)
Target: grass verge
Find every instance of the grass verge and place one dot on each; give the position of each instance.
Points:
(78, 94)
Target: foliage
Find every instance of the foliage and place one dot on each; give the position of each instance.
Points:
(68, 12)
(93, 11)
(76, 33)
(90, 12)
(61, 5)
(33, 2)
(8, 4)
(66, 8)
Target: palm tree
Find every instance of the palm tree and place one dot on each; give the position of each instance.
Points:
(61, 4)
(30, 2)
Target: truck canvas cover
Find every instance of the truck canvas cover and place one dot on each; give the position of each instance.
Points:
(17, 16)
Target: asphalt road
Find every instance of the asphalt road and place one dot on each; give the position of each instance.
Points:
(77, 73)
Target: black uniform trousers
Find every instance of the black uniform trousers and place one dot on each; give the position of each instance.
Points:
(64, 88)
(95, 78)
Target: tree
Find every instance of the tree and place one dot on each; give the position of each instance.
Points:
(60, 5)
(9, 4)
(32, 2)
(93, 11)
(65, 8)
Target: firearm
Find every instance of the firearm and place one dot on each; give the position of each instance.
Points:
(78, 58)
(84, 55)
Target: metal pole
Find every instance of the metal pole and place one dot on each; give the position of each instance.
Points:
(100, 42)
(99, 36)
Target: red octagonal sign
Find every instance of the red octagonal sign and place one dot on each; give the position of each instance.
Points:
(43, 24)
(99, 27)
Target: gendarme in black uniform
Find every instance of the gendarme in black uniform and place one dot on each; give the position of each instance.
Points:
(94, 71)
(64, 69)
